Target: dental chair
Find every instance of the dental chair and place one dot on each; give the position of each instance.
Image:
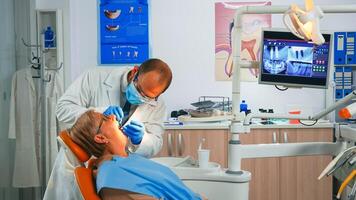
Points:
(83, 175)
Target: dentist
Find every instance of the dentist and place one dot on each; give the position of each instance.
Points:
(107, 90)
(136, 90)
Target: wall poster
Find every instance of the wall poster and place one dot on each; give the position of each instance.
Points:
(123, 28)
(251, 39)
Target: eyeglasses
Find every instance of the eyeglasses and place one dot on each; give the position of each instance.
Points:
(129, 148)
(139, 90)
(100, 124)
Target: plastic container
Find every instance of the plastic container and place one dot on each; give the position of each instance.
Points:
(49, 38)
(203, 158)
(243, 106)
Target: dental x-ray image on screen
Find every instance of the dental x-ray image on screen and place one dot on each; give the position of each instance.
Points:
(290, 61)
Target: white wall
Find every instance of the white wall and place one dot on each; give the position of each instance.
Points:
(182, 34)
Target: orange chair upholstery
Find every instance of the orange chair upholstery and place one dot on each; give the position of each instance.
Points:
(83, 175)
(86, 183)
(79, 153)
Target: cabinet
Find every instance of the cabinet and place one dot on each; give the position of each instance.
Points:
(181, 143)
(299, 174)
(265, 180)
(52, 56)
(292, 178)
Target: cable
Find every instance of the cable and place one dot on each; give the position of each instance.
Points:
(307, 124)
(281, 89)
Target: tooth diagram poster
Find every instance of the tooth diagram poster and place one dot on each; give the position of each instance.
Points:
(251, 39)
(123, 29)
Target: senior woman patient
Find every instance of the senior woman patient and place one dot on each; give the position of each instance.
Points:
(121, 175)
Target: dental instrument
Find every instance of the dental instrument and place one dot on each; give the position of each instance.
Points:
(341, 162)
(352, 194)
(335, 161)
(344, 184)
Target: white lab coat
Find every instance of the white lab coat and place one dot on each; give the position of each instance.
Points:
(24, 127)
(101, 87)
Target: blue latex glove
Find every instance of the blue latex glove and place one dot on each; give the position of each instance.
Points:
(134, 130)
(114, 110)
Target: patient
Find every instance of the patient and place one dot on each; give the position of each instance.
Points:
(121, 175)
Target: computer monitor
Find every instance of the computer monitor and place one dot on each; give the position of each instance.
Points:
(290, 61)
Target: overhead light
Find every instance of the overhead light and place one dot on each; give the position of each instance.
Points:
(305, 23)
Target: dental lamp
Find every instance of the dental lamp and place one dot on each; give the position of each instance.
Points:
(305, 24)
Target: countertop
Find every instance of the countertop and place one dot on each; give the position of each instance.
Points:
(226, 125)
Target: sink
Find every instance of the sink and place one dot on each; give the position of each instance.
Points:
(186, 165)
(169, 161)
(212, 181)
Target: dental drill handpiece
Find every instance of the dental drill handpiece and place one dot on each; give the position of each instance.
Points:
(341, 162)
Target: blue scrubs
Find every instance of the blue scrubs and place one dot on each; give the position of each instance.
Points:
(141, 175)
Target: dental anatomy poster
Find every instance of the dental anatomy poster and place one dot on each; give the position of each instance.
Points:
(123, 28)
(250, 41)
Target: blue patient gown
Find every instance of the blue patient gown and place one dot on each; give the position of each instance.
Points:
(141, 175)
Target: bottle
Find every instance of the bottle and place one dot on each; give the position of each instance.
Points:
(243, 106)
(49, 37)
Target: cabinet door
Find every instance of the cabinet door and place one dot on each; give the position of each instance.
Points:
(264, 183)
(168, 147)
(299, 174)
(187, 142)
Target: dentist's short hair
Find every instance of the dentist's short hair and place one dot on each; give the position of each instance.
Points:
(159, 66)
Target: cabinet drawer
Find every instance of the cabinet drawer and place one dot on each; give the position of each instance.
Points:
(181, 143)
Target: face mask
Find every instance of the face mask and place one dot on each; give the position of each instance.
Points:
(133, 96)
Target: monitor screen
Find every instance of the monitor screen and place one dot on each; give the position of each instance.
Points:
(290, 61)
